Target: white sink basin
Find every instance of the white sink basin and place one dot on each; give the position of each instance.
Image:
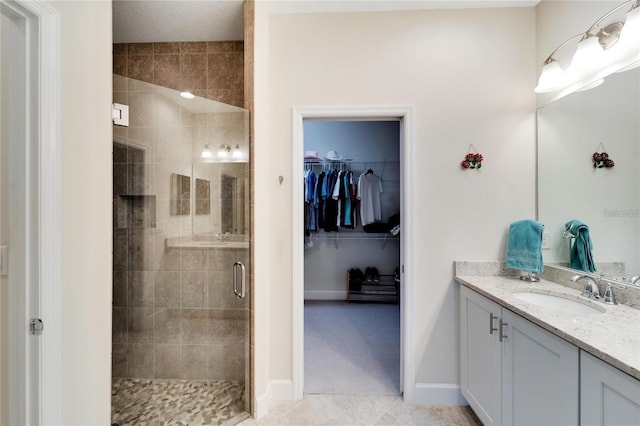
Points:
(559, 303)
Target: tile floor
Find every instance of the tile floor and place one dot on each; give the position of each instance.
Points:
(347, 410)
(176, 402)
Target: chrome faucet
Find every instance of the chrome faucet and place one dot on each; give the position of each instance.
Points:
(223, 237)
(634, 280)
(591, 289)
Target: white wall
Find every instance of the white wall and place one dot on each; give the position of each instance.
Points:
(469, 75)
(86, 211)
(265, 183)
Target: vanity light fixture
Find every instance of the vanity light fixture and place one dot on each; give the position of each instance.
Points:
(206, 152)
(224, 151)
(236, 154)
(601, 51)
(187, 95)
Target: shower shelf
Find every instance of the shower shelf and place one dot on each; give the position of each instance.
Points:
(135, 211)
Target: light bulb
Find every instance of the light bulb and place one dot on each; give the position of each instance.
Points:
(589, 55)
(236, 154)
(206, 152)
(223, 152)
(187, 95)
(630, 33)
(552, 78)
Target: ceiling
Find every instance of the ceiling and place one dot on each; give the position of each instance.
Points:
(143, 21)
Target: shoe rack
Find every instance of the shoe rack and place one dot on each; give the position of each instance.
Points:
(377, 288)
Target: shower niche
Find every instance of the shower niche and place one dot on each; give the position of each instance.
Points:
(133, 207)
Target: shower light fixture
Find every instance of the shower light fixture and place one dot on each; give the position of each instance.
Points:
(601, 51)
(187, 95)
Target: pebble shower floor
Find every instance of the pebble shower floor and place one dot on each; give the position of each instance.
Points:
(176, 402)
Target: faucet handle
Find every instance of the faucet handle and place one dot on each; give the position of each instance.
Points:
(609, 297)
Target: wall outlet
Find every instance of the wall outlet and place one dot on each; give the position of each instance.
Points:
(546, 245)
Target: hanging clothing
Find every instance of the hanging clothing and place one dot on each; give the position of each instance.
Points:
(331, 204)
(311, 202)
(369, 190)
(320, 201)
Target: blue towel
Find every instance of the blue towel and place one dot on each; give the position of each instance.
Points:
(580, 256)
(524, 248)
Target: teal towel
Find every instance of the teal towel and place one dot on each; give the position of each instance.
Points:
(524, 248)
(580, 256)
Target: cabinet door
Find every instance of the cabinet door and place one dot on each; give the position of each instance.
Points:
(540, 374)
(607, 395)
(480, 356)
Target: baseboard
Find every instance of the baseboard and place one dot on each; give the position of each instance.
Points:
(281, 390)
(325, 295)
(261, 407)
(278, 390)
(438, 394)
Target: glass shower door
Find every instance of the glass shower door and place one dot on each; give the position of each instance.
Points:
(181, 230)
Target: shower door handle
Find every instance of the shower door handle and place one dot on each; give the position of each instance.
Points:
(239, 294)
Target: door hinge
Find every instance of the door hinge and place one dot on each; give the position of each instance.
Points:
(36, 326)
(120, 115)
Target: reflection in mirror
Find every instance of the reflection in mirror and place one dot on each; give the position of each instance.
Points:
(607, 200)
(180, 194)
(203, 196)
(228, 199)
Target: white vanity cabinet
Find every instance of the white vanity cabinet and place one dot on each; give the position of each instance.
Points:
(481, 356)
(607, 395)
(540, 375)
(512, 371)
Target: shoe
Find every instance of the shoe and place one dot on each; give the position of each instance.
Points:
(368, 273)
(375, 275)
(355, 279)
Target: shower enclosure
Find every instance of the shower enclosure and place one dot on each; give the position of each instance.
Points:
(181, 259)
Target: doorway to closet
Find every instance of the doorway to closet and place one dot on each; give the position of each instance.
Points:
(404, 116)
(352, 283)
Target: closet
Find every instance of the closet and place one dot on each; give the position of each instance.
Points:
(352, 255)
(369, 152)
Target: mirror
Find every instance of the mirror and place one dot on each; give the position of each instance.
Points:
(203, 196)
(570, 131)
(221, 198)
(180, 195)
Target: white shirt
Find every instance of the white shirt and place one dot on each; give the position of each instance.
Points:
(369, 190)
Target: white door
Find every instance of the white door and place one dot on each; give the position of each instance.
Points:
(29, 226)
(15, 222)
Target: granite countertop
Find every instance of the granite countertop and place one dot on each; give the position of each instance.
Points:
(612, 335)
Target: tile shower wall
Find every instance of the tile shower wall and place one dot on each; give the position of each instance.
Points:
(174, 312)
(213, 70)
